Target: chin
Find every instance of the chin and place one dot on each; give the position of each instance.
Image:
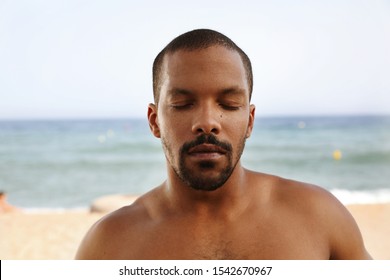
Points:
(206, 183)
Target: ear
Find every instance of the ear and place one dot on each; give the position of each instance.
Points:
(251, 122)
(153, 121)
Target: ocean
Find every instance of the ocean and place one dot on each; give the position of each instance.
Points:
(68, 164)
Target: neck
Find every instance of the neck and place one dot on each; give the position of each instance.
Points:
(223, 201)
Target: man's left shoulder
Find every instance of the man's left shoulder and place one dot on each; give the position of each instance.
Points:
(345, 239)
(295, 191)
(312, 195)
(314, 200)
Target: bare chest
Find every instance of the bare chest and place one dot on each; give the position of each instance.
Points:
(255, 240)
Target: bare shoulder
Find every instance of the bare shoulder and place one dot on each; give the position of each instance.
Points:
(322, 209)
(291, 191)
(108, 235)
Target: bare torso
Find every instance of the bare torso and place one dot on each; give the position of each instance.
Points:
(282, 219)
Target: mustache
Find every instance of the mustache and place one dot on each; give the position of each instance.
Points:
(206, 139)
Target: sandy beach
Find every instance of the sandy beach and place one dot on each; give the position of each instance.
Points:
(56, 235)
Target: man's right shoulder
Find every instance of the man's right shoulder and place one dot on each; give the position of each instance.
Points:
(119, 219)
(105, 238)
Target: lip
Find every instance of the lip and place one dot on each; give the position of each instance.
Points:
(207, 151)
(207, 148)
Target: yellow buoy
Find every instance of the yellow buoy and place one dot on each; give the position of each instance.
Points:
(337, 155)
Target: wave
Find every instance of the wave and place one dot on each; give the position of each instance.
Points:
(362, 197)
(346, 197)
(57, 210)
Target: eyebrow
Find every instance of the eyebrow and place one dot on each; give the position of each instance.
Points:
(227, 91)
(233, 91)
(179, 91)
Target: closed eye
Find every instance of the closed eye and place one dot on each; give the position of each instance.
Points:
(182, 106)
(230, 107)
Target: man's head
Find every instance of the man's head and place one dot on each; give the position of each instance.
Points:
(202, 112)
(196, 40)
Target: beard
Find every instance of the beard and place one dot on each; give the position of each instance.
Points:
(197, 177)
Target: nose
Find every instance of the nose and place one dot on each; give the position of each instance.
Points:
(207, 120)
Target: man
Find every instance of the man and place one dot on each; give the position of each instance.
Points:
(210, 206)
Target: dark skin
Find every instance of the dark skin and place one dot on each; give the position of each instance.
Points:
(251, 215)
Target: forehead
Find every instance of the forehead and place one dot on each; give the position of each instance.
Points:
(212, 68)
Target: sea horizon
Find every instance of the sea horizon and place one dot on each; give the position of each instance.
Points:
(68, 163)
(257, 116)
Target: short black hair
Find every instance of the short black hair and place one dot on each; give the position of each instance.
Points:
(195, 40)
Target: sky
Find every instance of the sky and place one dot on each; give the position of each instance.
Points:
(72, 59)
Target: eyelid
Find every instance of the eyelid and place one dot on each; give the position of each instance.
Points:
(179, 106)
(233, 103)
(230, 107)
(181, 102)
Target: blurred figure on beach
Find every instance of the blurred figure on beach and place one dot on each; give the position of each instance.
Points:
(6, 207)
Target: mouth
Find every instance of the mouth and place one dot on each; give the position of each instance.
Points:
(207, 151)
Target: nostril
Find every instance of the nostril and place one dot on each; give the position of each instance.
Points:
(207, 131)
(206, 123)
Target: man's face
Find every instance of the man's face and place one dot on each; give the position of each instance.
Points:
(203, 115)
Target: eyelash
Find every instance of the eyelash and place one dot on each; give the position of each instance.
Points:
(230, 108)
(182, 107)
(189, 105)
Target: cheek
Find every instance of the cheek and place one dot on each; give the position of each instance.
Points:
(236, 128)
(173, 129)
